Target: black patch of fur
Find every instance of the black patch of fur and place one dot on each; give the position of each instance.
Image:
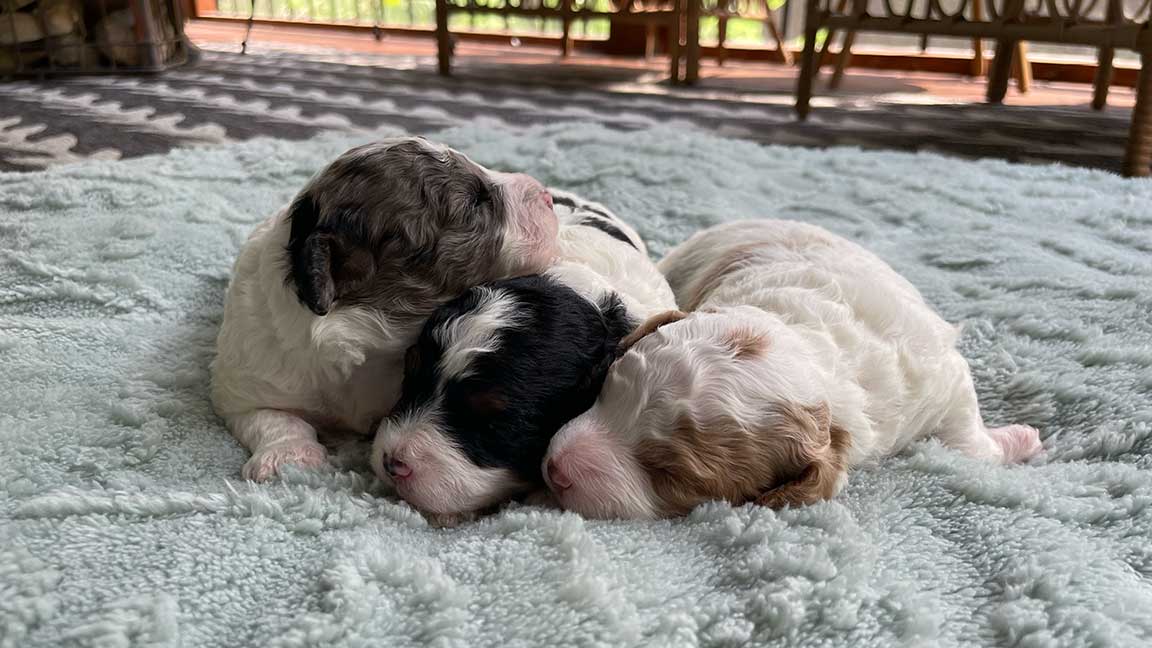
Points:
(608, 227)
(309, 254)
(546, 370)
(563, 200)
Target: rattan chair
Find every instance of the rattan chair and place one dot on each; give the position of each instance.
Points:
(45, 38)
(1098, 23)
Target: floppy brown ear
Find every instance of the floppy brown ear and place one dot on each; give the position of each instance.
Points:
(819, 451)
(648, 326)
(323, 260)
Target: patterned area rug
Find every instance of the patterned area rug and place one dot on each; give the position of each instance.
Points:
(229, 97)
(124, 523)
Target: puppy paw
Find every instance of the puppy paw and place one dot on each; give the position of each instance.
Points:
(1019, 443)
(266, 462)
(541, 498)
(449, 520)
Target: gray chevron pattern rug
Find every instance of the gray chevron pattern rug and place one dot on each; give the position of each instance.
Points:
(229, 97)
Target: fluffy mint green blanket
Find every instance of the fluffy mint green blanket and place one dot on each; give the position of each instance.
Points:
(123, 521)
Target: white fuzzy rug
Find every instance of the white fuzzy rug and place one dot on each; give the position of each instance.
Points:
(123, 521)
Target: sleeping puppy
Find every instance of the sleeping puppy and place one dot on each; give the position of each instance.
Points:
(497, 371)
(327, 294)
(808, 356)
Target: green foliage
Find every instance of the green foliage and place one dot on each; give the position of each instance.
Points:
(422, 13)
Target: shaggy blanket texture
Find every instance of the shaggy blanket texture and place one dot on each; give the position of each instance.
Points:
(123, 521)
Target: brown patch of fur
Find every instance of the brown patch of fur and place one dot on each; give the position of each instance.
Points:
(817, 481)
(746, 343)
(795, 459)
(649, 326)
(730, 261)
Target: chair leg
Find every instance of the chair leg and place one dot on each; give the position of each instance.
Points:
(674, 51)
(825, 56)
(807, 62)
(721, 36)
(1100, 85)
(1001, 68)
(649, 41)
(781, 44)
(777, 36)
(1022, 68)
(979, 67)
(826, 52)
(1138, 159)
(692, 43)
(843, 60)
(1103, 77)
(565, 33)
(443, 39)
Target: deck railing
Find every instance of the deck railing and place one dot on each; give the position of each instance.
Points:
(728, 27)
(743, 26)
(400, 13)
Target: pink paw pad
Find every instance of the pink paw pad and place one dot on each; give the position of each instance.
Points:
(1019, 442)
(266, 462)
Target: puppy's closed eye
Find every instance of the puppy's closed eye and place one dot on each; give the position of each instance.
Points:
(488, 402)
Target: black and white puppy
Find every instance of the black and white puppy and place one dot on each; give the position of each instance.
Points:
(327, 294)
(492, 377)
(499, 370)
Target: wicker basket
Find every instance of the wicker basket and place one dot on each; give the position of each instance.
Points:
(57, 37)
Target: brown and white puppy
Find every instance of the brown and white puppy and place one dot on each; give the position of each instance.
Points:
(808, 356)
(327, 294)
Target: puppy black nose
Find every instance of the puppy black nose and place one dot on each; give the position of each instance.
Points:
(396, 468)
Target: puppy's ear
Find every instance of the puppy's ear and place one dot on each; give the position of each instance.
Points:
(649, 326)
(324, 261)
(817, 453)
(617, 325)
(310, 254)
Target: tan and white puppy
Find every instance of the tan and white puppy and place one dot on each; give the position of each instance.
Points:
(327, 294)
(807, 355)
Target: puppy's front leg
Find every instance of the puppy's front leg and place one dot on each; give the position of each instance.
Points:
(276, 439)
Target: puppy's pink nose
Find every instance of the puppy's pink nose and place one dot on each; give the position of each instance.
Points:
(557, 477)
(547, 199)
(397, 469)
